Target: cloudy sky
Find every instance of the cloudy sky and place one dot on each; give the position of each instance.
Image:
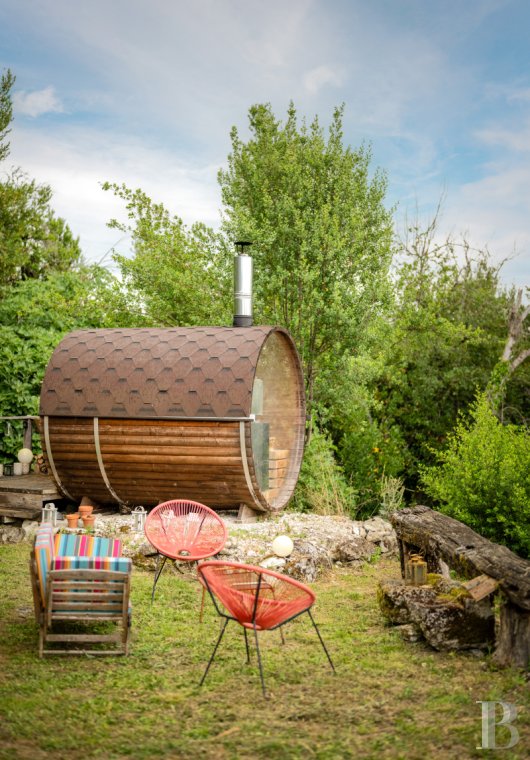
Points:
(145, 92)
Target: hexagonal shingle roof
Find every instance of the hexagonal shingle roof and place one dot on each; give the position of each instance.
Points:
(152, 373)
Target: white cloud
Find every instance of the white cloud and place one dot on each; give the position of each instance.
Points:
(513, 139)
(37, 102)
(75, 163)
(520, 95)
(493, 212)
(319, 77)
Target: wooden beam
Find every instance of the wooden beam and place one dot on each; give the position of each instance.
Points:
(247, 515)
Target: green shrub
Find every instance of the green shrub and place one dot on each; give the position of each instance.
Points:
(368, 454)
(322, 487)
(392, 492)
(367, 448)
(483, 478)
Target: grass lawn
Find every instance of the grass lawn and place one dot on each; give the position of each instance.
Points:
(389, 699)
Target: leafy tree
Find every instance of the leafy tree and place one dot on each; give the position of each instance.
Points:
(321, 234)
(7, 81)
(33, 241)
(35, 314)
(370, 447)
(509, 385)
(483, 477)
(421, 364)
(180, 276)
(446, 335)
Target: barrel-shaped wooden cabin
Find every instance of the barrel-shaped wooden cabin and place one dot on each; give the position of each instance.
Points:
(140, 416)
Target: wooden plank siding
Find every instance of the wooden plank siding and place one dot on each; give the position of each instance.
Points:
(148, 463)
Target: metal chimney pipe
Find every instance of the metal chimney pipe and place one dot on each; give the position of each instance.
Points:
(242, 286)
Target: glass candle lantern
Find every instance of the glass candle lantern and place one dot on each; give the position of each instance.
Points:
(416, 571)
(49, 514)
(139, 515)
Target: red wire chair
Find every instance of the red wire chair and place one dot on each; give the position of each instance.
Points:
(257, 599)
(185, 531)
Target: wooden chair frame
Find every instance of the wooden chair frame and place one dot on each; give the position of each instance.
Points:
(86, 596)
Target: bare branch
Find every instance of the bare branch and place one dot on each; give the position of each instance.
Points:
(516, 320)
(519, 359)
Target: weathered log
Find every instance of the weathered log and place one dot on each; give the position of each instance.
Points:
(513, 641)
(464, 550)
(439, 536)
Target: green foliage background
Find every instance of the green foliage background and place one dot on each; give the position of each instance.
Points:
(483, 477)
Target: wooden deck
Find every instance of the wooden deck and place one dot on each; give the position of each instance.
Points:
(22, 496)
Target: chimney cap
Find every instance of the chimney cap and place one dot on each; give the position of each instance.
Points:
(242, 244)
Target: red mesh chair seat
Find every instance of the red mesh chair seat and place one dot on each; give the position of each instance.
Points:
(257, 599)
(184, 530)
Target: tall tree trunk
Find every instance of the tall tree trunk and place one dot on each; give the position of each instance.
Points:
(510, 358)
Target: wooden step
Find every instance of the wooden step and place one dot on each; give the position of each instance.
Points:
(23, 496)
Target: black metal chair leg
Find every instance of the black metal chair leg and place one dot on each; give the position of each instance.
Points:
(214, 651)
(246, 645)
(158, 570)
(281, 634)
(259, 663)
(321, 640)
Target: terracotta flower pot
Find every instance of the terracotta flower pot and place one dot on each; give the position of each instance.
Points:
(88, 521)
(73, 520)
(85, 510)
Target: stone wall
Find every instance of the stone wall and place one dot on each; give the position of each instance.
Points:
(319, 541)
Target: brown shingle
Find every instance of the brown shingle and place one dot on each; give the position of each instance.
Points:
(149, 373)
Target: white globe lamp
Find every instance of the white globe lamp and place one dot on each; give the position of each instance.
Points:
(282, 546)
(25, 456)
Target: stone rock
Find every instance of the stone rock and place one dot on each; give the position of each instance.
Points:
(325, 537)
(381, 533)
(11, 534)
(377, 528)
(443, 611)
(140, 551)
(307, 561)
(353, 550)
(410, 633)
(29, 529)
(389, 544)
(450, 626)
(142, 547)
(394, 598)
(273, 563)
(358, 529)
